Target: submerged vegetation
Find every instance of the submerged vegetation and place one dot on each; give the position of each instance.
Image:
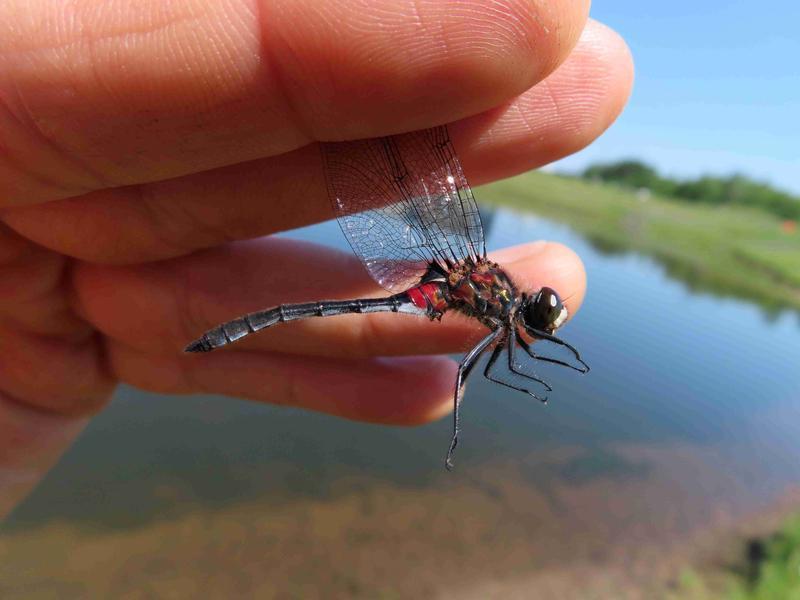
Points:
(730, 249)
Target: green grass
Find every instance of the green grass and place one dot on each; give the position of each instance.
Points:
(730, 250)
(777, 576)
(772, 575)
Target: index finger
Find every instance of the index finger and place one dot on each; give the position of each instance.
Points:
(98, 94)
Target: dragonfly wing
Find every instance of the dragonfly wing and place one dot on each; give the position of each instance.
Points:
(403, 204)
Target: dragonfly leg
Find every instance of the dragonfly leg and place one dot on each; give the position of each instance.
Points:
(551, 338)
(464, 369)
(487, 372)
(512, 363)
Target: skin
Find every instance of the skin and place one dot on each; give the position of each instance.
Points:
(143, 150)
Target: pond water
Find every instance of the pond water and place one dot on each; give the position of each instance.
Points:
(688, 422)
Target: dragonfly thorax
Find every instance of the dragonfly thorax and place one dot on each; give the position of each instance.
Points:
(482, 289)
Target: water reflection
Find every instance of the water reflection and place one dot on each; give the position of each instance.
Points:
(688, 420)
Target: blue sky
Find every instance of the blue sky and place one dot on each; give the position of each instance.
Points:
(717, 88)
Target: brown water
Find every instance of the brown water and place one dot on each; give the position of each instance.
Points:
(686, 427)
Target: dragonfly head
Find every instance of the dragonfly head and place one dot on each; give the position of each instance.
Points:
(544, 311)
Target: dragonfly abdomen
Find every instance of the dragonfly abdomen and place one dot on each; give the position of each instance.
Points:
(236, 329)
(432, 297)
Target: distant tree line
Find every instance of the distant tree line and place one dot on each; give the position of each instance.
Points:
(734, 189)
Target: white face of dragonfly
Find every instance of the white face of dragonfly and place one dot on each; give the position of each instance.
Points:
(561, 310)
(545, 311)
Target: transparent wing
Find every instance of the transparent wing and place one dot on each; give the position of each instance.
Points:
(403, 204)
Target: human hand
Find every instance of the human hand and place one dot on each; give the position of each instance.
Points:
(141, 144)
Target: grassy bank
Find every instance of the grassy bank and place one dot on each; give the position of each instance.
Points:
(775, 571)
(730, 250)
(767, 569)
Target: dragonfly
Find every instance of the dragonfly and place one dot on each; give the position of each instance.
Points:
(408, 212)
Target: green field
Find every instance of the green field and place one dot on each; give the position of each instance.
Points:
(730, 250)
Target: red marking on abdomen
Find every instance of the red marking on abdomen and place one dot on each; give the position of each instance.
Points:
(428, 295)
(418, 298)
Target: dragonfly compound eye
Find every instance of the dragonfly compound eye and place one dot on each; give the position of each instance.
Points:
(545, 311)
